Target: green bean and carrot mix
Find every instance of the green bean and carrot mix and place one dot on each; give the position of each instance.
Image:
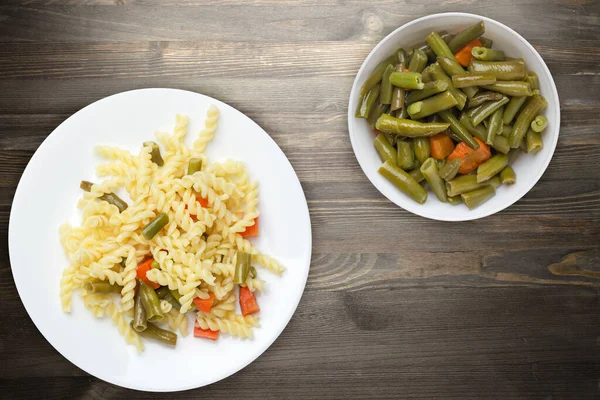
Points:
(447, 113)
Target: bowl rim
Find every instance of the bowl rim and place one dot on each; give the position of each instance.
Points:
(473, 214)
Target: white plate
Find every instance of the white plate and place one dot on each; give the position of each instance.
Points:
(47, 195)
(528, 167)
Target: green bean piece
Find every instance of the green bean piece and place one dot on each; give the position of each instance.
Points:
(376, 76)
(472, 79)
(252, 272)
(486, 110)
(467, 183)
(406, 155)
(402, 113)
(472, 111)
(510, 70)
(432, 105)
(422, 149)
(485, 54)
(478, 197)
(425, 47)
(391, 138)
(531, 109)
(536, 92)
(155, 225)
(418, 62)
(506, 129)
(450, 169)
(139, 322)
(175, 293)
(385, 96)
(407, 80)
(465, 36)
(438, 45)
(429, 169)
(430, 89)
(155, 265)
(511, 88)
(452, 68)
(162, 292)
(485, 42)
(101, 287)
(376, 112)
(500, 144)
(162, 335)
(398, 93)
(459, 129)
(408, 128)
(437, 73)
(403, 181)
(512, 108)
(110, 198)
(155, 153)
(454, 200)
(495, 125)
(482, 97)
(416, 174)
(367, 102)
(242, 267)
(533, 80)
(538, 124)
(533, 141)
(194, 165)
(508, 176)
(385, 150)
(150, 301)
(453, 136)
(174, 302)
(486, 122)
(491, 167)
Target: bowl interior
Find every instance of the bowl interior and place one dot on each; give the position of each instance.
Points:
(528, 167)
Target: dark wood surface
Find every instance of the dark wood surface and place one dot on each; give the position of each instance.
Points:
(396, 306)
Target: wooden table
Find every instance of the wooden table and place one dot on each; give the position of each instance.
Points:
(396, 305)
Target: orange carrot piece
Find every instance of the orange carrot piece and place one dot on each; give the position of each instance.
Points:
(469, 158)
(464, 56)
(203, 202)
(441, 146)
(251, 230)
(205, 333)
(248, 302)
(205, 305)
(142, 269)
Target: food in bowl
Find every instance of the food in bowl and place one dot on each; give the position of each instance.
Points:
(456, 130)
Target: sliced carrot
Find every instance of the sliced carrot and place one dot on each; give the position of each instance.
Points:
(203, 202)
(205, 305)
(251, 230)
(142, 269)
(248, 302)
(470, 159)
(441, 146)
(464, 56)
(205, 333)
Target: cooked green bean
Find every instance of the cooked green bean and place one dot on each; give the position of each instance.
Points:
(155, 153)
(150, 301)
(478, 197)
(539, 123)
(472, 111)
(459, 129)
(162, 335)
(408, 128)
(506, 129)
(511, 70)
(534, 141)
(159, 222)
(402, 113)
(430, 89)
(139, 322)
(422, 149)
(452, 68)
(385, 150)
(154, 264)
(101, 287)
(485, 42)
(175, 293)
(376, 76)
(401, 56)
(508, 176)
(465, 36)
(532, 78)
(252, 272)
(398, 93)
(472, 79)
(482, 97)
(110, 198)
(367, 102)
(162, 292)
(416, 174)
(407, 80)
(242, 266)
(438, 45)
(385, 96)
(447, 37)
(536, 92)
(432, 105)
(467, 183)
(418, 61)
(450, 169)
(485, 54)
(511, 88)
(429, 169)
(403, 181)
(495, 125)
(491, 167)
(169, 297)
(486, 110)
(523, 122)
(376, 112)
(406, 155)
(454, 200)
(512, 108)
(194, 165)
(437, 73)
(500, 143)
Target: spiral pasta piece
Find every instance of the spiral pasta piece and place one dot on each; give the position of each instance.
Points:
(210, 126)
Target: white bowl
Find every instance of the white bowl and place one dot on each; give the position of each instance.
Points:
(528, 167)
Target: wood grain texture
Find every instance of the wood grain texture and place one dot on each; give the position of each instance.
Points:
(396, 306)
